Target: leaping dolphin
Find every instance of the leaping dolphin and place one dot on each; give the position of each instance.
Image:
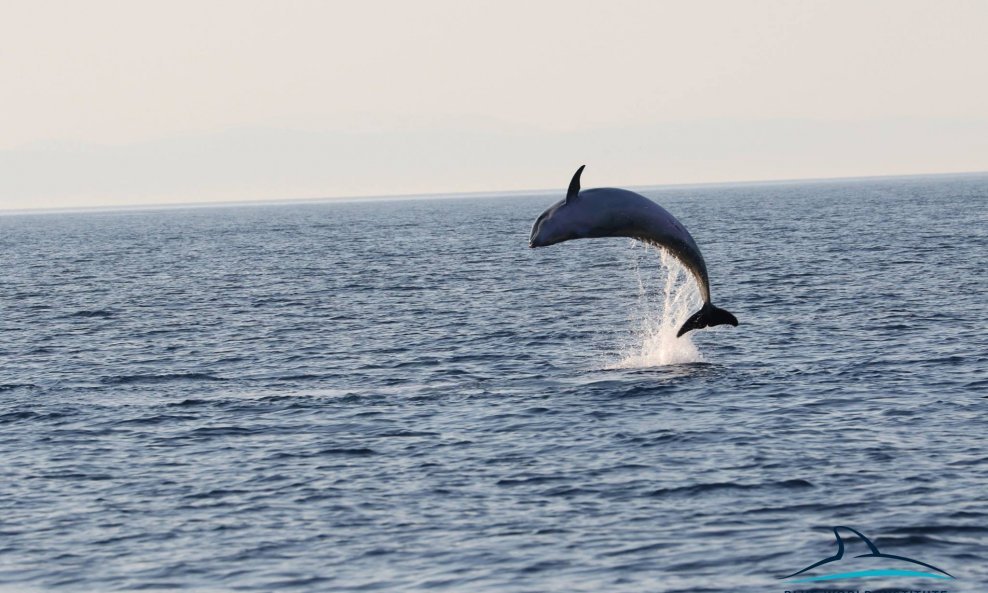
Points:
(611, 212)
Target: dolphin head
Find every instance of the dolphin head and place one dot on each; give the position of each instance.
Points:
(562, 221)
(555, 225)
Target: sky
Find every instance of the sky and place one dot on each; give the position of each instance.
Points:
(132, 102)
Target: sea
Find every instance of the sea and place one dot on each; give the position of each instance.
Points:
(401, 395)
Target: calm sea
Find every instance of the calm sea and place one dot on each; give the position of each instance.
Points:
(402, 396)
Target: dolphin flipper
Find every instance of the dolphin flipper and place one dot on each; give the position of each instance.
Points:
(707, 316)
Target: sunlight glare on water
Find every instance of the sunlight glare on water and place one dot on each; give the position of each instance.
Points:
(667, 295)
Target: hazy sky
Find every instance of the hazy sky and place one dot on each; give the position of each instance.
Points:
(145, 102)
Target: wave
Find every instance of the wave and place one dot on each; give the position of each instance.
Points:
(13, 386)
(328, 452)
(93, 313)
(164, 378)
(793, 484)
(10, 417)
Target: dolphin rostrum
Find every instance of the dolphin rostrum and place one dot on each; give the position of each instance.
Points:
(610, 212)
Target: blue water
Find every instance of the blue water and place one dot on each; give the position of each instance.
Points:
(402, 396)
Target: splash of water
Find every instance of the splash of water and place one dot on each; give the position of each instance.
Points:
(659, 315)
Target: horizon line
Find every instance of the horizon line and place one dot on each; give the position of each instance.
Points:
(450, 194)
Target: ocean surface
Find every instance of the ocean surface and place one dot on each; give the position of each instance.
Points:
(402, 396)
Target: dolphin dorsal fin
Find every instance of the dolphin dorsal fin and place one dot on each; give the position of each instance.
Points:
(574, 185)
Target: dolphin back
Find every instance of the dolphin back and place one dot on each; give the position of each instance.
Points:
(634, 215)
(623, 213)
(638, 217)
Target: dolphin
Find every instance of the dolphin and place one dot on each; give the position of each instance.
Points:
(611, 212)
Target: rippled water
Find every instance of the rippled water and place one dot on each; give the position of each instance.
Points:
(402, 396)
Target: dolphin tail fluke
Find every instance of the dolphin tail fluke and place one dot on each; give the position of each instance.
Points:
(708, 316)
